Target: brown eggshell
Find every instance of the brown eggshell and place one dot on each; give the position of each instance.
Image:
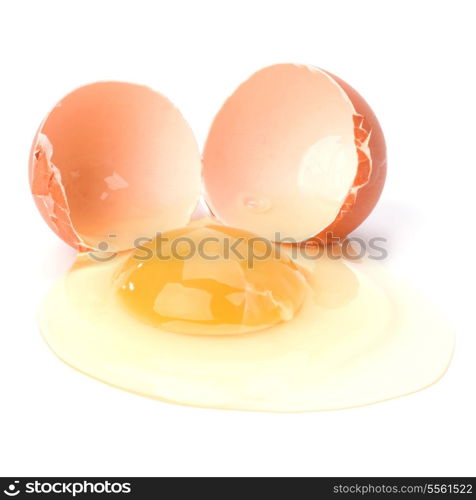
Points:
(113, 162)
(294, 154)
(360, 206)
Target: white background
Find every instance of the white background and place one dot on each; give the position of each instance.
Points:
(413, 61)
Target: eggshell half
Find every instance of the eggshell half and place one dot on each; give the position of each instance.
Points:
(113, 162)
(295, 153)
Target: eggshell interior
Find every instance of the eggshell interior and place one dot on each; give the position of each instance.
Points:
(113, 162)
(288, 153)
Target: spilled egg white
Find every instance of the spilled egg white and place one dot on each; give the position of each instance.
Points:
(357, 339)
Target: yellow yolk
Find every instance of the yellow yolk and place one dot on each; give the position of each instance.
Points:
(211, 280)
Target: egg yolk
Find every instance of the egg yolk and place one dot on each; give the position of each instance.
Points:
(210, 280)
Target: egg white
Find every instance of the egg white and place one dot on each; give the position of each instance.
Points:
(364, 340)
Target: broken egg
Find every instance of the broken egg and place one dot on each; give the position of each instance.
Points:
(218, 312)
(351, 335)
(112, 162)
(294, 153)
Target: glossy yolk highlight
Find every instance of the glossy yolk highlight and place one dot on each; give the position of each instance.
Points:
(210, 280)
